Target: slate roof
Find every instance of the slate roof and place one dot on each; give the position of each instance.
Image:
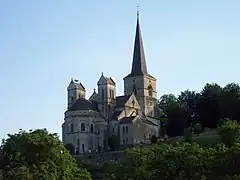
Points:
(83, 104)
(115, 115)
(146, 121)
(80, 86)
(108, 80)
(127, 120)
(121, 100)
(139, 66)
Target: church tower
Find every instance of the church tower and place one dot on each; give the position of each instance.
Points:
(139, 81)
(107, 94)
(75, 90)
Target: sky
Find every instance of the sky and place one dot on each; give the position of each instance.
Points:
(43, 44)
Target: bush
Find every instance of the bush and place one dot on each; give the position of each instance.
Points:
(188, 135)
(183, 161)
(229, 132)
(197, 129)
(154, 139)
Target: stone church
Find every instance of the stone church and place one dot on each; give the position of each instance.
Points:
(131, 117)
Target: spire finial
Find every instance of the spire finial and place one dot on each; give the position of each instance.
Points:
(138, 6)
(102, 73)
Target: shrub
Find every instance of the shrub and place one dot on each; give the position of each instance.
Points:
(154, 139)
(229, 132)
(197, 129)
(188, 135)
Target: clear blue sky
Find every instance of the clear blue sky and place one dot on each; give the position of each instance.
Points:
(45, 43)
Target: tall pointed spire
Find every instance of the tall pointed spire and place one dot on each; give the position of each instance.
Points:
(139, 66)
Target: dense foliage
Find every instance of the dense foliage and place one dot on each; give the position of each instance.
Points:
(37, 155)
(184, 160)
(205, 108)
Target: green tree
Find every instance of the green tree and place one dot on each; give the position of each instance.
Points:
(229, 132)
(70, 148)
(38, 155)
(165, 101)
(231, 101)
(189, 100)
(209, 105)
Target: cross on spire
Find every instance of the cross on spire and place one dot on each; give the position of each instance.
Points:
(138, 6)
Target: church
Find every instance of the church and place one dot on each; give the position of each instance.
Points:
(131, 117)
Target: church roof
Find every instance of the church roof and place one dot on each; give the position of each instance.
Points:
(139, 66)
(83, 104)
(115, 115)
(127, 120)
(106, 80)
(121, 100)
(75, 84)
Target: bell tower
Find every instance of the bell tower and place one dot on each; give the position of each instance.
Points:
(139, 80)
(107, 93)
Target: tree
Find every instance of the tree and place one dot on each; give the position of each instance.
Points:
(189, 100)
(209, 105)
(165, 101)
(38, 155)
(231, 101)
(177, 119)
(70, 148)
(229, 132)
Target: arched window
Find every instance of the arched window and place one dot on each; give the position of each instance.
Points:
(123, 129)
(91, 128)
(83, 127)
(126, 129)
(150, 90)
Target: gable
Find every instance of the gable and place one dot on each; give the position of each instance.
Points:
(132, 102)
(102, 80)
(94, 97)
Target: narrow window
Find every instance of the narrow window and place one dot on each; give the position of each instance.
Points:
(71, 128)
(126, 129)
(82, 127)
(83, 148)
(134, 90)
(91, 128)
(102, 94)
(113, 130)
(150, 90)
(123, 129)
